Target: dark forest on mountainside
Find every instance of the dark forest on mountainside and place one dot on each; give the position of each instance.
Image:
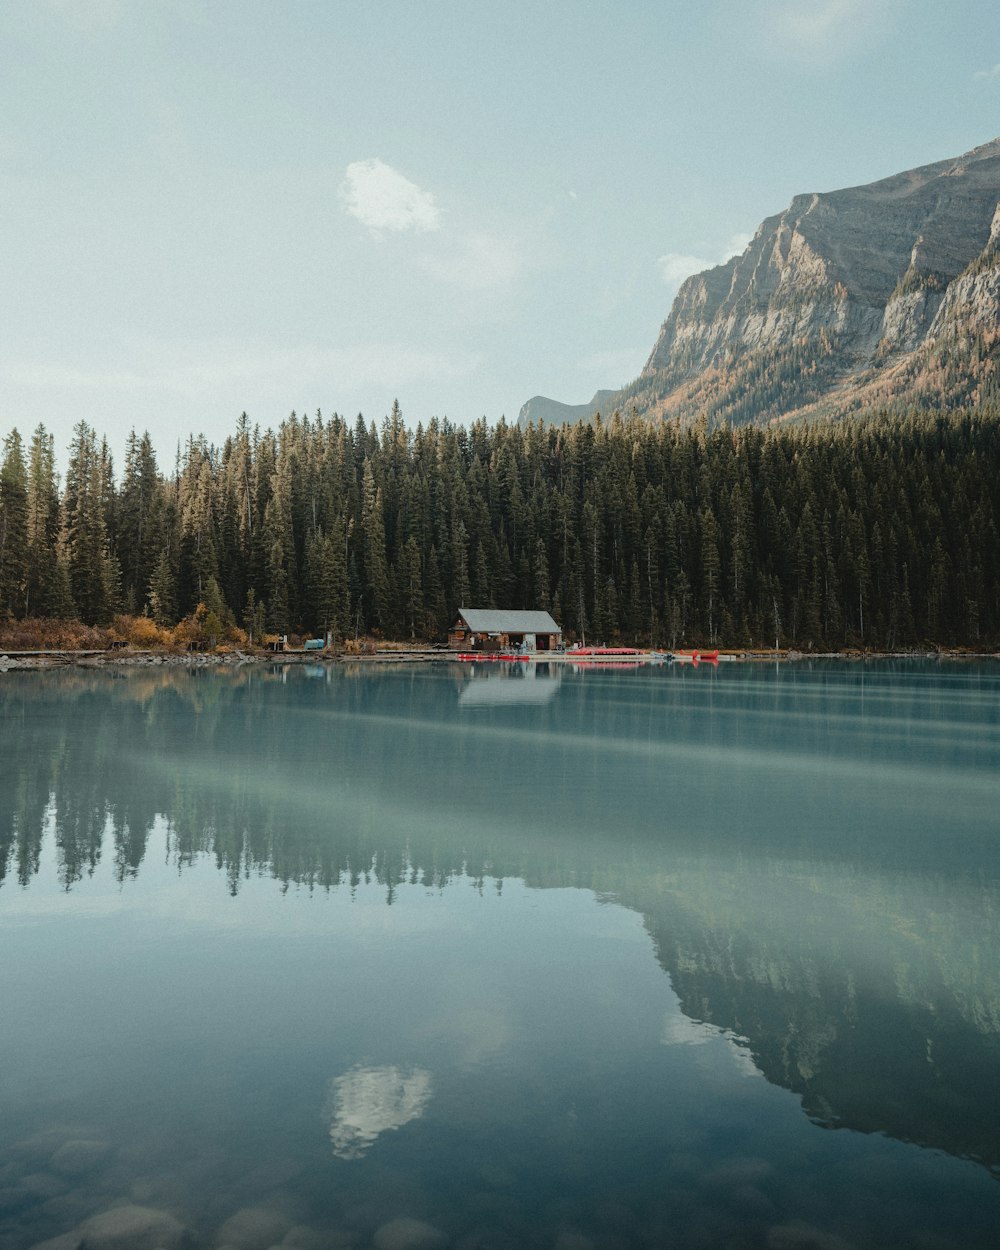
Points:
(876, 532)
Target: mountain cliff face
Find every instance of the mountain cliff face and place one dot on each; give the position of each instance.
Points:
(551, 412)
(881, 295)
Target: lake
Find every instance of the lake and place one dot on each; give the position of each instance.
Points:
(434, 956)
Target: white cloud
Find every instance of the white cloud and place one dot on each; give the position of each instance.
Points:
(824, 30)
(227, 370)
(680, 1030)
(481, 261)
(674, 267)
(818, 21)
(738, 243)
(382, 198)
(984, 75)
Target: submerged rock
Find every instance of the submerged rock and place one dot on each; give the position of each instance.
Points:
(77, 1158)
(797, 1235)
(488, 1239)
(69, 1209)
(302, 1237)
(254, 1228)
(68, 1241)
(13, 1198)
(38, 1147)
(569, 1239)
(44, 1185)
(132, 1228)
(404, 1233)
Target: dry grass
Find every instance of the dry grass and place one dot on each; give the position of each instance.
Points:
(140, 633)
(45, 634)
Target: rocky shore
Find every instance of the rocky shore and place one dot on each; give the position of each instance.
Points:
(127, 658)
(22, 661)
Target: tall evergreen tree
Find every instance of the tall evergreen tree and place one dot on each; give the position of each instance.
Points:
(84, 536)
(138, 516)
(373, 539)
(13, 528)
(47, 588)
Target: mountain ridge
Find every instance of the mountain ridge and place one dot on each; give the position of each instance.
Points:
(882, 294)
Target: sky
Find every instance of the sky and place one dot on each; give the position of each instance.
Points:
(209, 207)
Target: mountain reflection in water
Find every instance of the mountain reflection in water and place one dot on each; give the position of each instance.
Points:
(812, 851)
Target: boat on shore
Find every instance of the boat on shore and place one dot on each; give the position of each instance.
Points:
(493, 657)
(627, 656)
(616, 657)
(592, 657)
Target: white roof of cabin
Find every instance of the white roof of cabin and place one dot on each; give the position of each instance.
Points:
(492, 621)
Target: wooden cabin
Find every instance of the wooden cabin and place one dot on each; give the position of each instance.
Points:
(489, 629)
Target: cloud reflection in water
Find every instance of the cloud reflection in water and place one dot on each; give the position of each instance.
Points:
(366, 1102)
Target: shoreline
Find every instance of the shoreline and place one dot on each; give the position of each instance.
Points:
(44, 660)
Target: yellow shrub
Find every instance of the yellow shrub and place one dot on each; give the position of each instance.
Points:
(141, 631)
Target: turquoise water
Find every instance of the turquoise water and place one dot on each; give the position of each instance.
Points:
(315, 957)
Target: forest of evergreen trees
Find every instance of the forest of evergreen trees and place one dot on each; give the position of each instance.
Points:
(877, 532)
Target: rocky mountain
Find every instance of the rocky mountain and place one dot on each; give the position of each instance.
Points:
(552, 412)
(886, 295)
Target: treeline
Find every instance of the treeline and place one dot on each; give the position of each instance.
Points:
(874, 532)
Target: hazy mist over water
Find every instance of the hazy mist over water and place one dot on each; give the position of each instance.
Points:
(340, 956)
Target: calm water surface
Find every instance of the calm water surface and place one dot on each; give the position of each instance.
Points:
(315, 957)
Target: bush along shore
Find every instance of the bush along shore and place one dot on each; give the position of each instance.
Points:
(139, 642)
(133, 641)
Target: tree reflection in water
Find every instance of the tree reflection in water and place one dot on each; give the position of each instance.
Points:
(811, 855)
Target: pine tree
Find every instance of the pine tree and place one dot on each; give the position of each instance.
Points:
(542, 599)
(711, 570)
(84, 536)
(373, 540)
(197, 554)
(47, 589)
(138, 536)
(163, 592)
(413, 598)
(435, 607)
(254, 618)
(13, 528)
